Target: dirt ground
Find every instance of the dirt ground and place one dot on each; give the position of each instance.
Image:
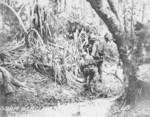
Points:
(51, 99)
(47, 94)
(141, 108)
(96, 108)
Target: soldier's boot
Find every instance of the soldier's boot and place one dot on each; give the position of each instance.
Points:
(99, 66)
(90, 82)
(100, 78)
(92, 88)
(96, 83)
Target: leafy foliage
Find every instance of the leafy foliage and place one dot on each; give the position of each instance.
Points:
(50, 44)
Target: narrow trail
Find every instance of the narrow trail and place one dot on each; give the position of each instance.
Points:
(94, 108)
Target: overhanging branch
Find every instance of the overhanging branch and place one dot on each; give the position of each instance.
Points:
(16, 14)
(108, 16)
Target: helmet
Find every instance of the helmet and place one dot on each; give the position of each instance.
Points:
(108, 36)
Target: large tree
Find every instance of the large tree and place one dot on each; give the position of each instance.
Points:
(107, 11)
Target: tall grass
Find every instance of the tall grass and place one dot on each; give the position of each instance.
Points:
(39, 44)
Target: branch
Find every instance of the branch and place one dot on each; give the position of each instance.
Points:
(114, 26)
(20, 10)
(113, 8)
(8, 79)
(15, 13)
(41, 40)
(108, 16)
(116, 76)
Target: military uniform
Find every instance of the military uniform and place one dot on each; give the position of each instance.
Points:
(89, 71)
(93, 62)
(97, 53)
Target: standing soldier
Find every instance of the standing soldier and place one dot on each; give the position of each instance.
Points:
(111, 49)
(97, 52)
(89, 71)
(93, 62)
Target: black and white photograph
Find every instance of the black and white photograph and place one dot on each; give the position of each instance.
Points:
(74, 58)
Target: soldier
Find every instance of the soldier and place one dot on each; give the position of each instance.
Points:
(111, 49)
(89, 71)
(96, 50)
(93, 62)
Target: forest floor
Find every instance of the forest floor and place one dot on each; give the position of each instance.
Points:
(51, 99)
(142, 107)
(96, 108)
(48, 94)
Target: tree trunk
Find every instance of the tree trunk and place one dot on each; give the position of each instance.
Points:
(103, 9)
